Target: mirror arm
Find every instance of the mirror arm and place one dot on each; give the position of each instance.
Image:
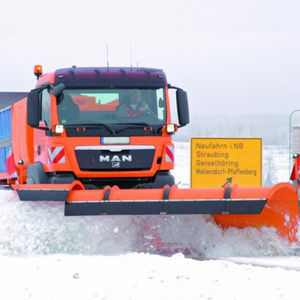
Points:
(173, 87)
(43, 128)
(58, 90)
(47, 85)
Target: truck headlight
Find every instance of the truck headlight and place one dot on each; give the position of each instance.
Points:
(171, 128)
(59, 129)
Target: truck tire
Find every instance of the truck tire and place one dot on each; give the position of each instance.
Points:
(163, 178)
(36, 174)
(62, 178)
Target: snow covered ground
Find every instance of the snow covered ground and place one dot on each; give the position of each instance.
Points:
(142, 276)
(44, 255)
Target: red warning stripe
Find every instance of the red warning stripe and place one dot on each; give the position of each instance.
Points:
(59, 156)
(169, 153)
(56, 155)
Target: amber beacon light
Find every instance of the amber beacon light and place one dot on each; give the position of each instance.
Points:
(38, 71)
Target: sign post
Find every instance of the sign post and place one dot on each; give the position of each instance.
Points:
(216, 162)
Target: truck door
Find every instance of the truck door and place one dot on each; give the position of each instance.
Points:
(40, 143)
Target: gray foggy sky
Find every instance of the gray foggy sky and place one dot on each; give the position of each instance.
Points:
(235, 56)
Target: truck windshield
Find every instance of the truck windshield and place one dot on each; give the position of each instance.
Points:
(112, 106)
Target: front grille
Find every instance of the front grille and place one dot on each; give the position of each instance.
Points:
(106, 160)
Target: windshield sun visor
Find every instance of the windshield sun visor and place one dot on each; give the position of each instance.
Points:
(116, 77)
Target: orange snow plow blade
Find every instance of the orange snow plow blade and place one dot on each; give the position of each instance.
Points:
(275, 207)
(280, 212)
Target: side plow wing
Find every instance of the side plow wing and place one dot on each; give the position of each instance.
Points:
(238, 207)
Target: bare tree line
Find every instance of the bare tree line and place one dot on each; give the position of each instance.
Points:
(273, 129)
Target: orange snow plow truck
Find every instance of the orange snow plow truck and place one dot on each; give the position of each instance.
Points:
(100, 139)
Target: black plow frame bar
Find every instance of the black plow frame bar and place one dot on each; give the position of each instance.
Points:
(165, 207)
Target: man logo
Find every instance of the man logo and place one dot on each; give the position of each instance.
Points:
(115, 165)
(115, 158)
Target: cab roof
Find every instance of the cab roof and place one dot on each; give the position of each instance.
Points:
(93, 77)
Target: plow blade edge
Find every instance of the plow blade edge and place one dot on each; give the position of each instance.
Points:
(165, 207)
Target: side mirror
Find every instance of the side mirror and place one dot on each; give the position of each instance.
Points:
(182, 107)
(58, 90)
(33, 108)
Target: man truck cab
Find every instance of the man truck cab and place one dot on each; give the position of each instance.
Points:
(79, 134)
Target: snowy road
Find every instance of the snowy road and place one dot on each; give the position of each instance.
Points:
(141, 276)
(44, 255)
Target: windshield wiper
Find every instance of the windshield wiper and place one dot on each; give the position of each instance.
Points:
(134, 124)
(94, 125)
(147, 127)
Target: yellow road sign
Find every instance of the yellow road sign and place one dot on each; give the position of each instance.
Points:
(217, 161)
